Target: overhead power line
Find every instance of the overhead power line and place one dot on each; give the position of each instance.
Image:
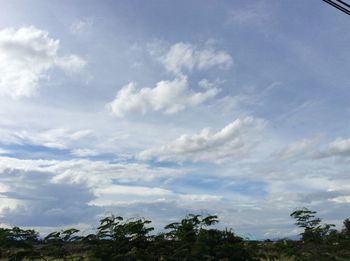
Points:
(342, 2)
(340, 5)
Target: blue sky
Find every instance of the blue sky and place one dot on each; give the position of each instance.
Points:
(162, 108)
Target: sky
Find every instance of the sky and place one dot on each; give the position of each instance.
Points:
(158, 109)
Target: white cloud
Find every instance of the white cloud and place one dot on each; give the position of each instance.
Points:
(133, 189)
(218, 146)
(60, 138)
(84, 152)
(71, 191)
(29, 193)
(341, 199)
(312, 149)
(172, 96)
(3, 151)
(201, 198)
(256, 14)
(119, 195)
(71, 63)
(41, 185)
(100, 173)
(167, 96)
(123, 194)
(80, 26)
(184, 56)
(300, 148)
(26, 56)
(338, 148)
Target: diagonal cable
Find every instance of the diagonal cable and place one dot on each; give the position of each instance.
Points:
(338, 6)
(343, 3)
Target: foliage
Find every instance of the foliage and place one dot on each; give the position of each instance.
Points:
(192, 238)
(17, 243)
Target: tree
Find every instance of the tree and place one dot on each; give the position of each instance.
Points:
(313, 230)
(117, 239)
(346, 229)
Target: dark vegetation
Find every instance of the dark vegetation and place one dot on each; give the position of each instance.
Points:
(193, 238)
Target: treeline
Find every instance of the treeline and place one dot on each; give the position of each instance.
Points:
(193, 238)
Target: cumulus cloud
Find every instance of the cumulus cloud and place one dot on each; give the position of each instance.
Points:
(218, 146)
(187, 57)
(167, 96)
(172, 96)
(26, 56)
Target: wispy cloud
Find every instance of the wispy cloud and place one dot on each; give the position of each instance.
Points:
(81, 26)
(184, 57)
(253, 14)
(60, 138)
(337, 148)
(304, 148)
(227, 143)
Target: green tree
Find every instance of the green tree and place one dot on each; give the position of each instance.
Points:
(61, 244)
(117, 239)
(318, 240)
(314, 231)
